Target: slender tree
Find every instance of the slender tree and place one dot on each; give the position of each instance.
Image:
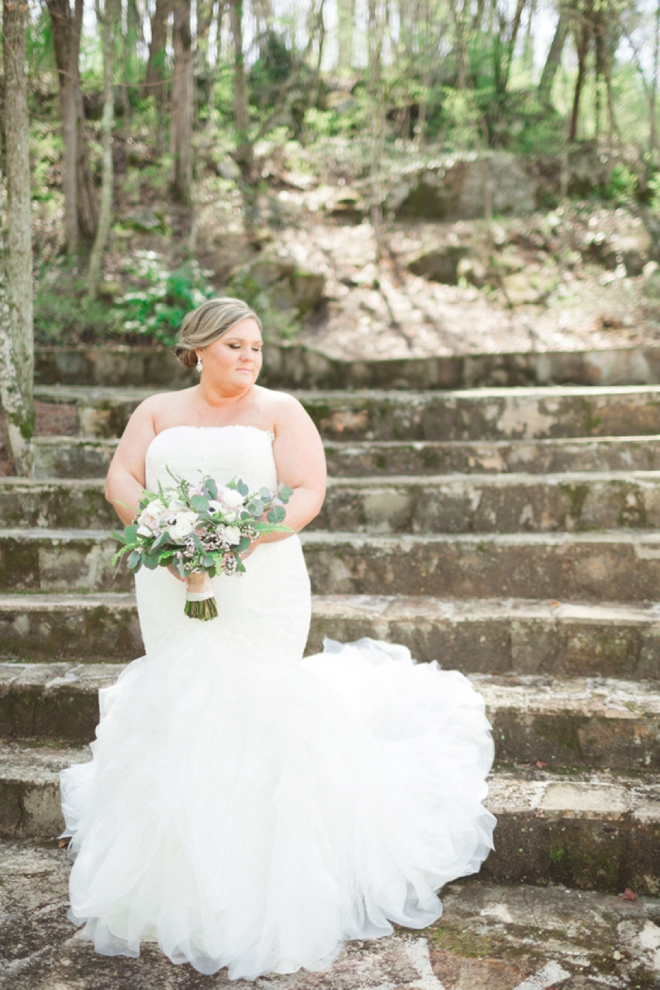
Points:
(80, 210)
(16, 333)
(553, 59)
(182, 105)
(108, 20)
(156, 77)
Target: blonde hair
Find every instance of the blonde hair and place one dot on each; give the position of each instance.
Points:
(211, 320)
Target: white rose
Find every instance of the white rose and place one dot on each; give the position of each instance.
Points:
(230, 497)
(183, 525)
(232, 535)
(145, 531)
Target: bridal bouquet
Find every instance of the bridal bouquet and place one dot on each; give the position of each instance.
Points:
(200, 529)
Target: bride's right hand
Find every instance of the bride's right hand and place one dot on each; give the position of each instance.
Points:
(172, 571)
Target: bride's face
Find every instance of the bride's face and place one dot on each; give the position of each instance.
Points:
(234, 361)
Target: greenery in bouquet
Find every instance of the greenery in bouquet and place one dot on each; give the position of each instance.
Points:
(201, 528)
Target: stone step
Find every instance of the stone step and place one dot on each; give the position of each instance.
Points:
(589, 722)
(81, 457)
(477, 414)
(619, 566)
(508, 503)
(597, 830)
(475, 636)
(491, 937)
(303, 366)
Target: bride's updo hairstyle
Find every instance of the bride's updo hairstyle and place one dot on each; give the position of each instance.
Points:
(210, 321)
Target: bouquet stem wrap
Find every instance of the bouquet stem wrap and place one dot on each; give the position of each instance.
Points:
(200, 599)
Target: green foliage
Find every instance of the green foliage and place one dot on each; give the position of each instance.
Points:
(158, 308)
(274, 66)
(60, 316)
(623, 184)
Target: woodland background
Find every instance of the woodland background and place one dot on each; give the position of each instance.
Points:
(381, 177)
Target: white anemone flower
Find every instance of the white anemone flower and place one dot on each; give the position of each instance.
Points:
(232, 535)
(183, 525)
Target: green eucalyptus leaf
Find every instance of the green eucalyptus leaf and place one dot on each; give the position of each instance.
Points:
(131, 533)
(276, 515)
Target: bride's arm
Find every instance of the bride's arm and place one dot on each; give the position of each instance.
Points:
(300, 462)
(125, 480)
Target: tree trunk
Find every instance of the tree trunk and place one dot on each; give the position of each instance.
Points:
(108, 21)
(155, 82)
(653, 89)
(182, 105)
(243, 146)
(584, 37)
(16, 334)
(79, 197)
(553, 60)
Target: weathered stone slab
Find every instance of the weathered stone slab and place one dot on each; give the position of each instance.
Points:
(510, 503)
(59, 560)
(487, 636)
(592, 831)
(442, 504)
(55, 504)
(84, 628)
(490, 937)
(481, 414)
(81, 457)
(303, 366)
(70, 457)
(623, 566)
(587, 722)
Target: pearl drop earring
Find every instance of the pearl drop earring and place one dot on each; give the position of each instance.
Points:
(199, 364)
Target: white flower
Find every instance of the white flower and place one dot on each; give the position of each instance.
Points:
(232, 534)
(145, 531)
(230, 497)
(183, 525)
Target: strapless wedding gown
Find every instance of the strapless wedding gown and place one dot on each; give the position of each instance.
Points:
(248, 808)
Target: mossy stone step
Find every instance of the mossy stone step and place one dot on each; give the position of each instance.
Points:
(478, 414)
(597, 830)
(509, 503)
(594, 722)
(617, 566)
(303, 366)
(81, 457)
(475, 636)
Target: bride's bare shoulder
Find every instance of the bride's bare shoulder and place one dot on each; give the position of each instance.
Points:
(276, 404)
(163, 404)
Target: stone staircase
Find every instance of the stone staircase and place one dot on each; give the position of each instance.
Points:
(509, 532)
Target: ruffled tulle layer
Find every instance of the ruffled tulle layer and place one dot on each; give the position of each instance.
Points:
(257, 818)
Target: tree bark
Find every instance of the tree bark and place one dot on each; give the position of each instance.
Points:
(79, 197)
(108, 21)
(156, 81)
(584, 37)
(553, 60)
(16, 330)
(243, 146)
(182, 105)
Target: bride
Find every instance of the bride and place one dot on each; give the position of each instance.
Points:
(245, 807)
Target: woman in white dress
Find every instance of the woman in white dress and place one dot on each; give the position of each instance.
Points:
(245, 807)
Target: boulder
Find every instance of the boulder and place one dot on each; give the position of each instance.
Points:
(440, 264)
(453, 189)
(280, 282)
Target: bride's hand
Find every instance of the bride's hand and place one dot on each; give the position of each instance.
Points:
(172, 571)
(253, 546)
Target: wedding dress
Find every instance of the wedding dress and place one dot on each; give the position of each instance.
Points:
(248, 808)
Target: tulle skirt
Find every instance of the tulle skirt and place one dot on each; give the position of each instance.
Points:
(246, 814)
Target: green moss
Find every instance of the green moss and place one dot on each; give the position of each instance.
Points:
(576, 496)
